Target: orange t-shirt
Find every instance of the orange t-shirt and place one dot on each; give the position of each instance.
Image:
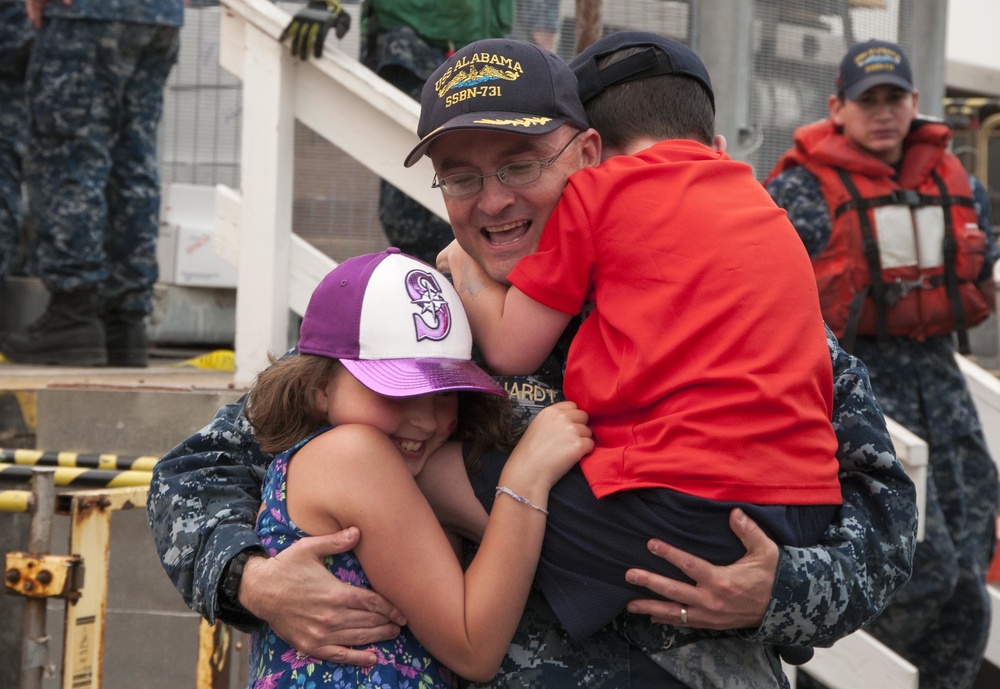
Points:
(704, 365)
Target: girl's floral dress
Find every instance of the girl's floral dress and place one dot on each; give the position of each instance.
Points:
(402, 663)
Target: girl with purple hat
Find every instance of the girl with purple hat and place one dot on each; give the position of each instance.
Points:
(383, 386)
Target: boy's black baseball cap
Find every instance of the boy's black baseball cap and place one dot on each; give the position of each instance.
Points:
(673, 57)
(502, 85)
(873, 63)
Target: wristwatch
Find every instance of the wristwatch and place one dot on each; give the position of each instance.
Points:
(229, 583)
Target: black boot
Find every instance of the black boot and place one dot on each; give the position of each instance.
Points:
(127, 341)
(69, 333)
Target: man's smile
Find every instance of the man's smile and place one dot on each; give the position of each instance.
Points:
(507, 233)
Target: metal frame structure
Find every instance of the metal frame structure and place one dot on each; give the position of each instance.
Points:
(81, 579)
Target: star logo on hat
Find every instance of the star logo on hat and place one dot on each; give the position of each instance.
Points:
(434, 320)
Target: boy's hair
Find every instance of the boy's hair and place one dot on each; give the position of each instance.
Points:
(663, 106)
(281, 406)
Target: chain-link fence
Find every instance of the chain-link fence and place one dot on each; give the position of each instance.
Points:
(200, 143)
(793, 47)
(796, 49)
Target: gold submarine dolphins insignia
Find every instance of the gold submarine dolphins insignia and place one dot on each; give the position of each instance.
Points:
(473, 76)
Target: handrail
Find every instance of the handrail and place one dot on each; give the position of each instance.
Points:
(985, 390)
(342, 101)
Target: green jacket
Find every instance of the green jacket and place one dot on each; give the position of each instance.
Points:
(443, 23)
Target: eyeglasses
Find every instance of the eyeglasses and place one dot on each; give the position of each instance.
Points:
(516, 174)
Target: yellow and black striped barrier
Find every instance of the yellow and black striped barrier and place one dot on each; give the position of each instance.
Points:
(76, 460)
(76, 477)
(15, 500)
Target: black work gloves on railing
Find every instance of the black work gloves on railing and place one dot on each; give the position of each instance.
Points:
(310, 25)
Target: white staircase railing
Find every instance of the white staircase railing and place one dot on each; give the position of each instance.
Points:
(376, 124)
(342, 101)
(985, 388)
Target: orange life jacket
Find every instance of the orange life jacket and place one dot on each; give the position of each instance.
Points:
(915, 232)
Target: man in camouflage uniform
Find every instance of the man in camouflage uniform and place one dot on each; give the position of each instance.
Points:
(15, 43)
(205, 495)
(940, 619)
(95, 92)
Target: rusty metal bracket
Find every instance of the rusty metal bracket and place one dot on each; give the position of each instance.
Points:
(43, 576)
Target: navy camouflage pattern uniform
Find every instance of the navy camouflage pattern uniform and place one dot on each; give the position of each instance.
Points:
(205, 494)
(402, 57)
(95, 89)
(939, 621)
(15, 37)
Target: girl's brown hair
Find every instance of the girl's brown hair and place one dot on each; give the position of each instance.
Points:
(281, 407)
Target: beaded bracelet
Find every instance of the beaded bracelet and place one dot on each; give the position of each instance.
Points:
(525, 501)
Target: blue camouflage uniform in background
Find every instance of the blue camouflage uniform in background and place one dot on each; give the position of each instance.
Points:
(15, 42)
(940, 620)
(205, 494)
(405, 61)
(404, 44)
(95, 88)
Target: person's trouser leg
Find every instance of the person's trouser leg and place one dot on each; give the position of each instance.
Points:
(404, 60)
(134, 194)
(95, 95)
(631, 652)
(411, 227)
(13, 136)
(940, 619)
(72, 96)
(71, 105)
(15, 44)
(133, 190)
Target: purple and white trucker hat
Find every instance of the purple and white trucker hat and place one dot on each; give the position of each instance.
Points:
(396, 324)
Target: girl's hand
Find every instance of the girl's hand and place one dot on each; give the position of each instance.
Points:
(468, 276)
(556, 440)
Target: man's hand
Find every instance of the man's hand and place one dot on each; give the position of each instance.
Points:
(310, 608)
(310, 25)
(731, 597)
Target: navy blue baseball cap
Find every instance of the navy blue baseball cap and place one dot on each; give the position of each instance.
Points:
(873, 63)
(502, 85)
(662, 56)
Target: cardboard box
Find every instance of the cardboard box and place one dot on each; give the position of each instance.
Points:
(186, 249)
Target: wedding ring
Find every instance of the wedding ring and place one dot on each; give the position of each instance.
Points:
(684, 615)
